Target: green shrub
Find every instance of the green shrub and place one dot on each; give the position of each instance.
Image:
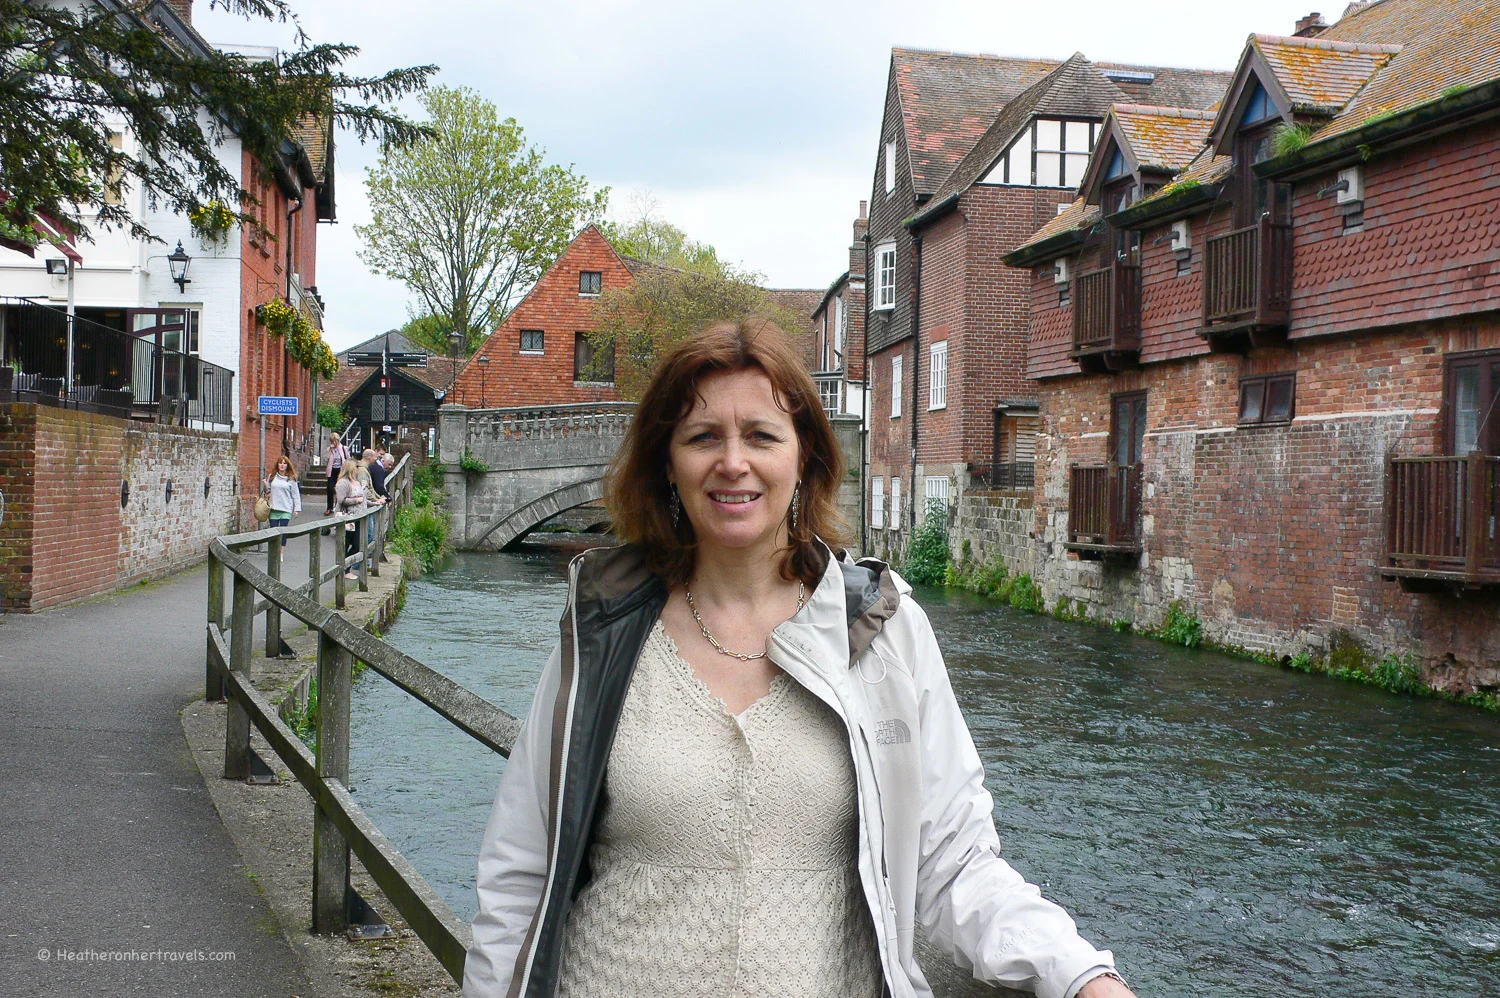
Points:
(1398, 675)
(1121, 626)
(332, 417)
(1025, 595)
(1180, 628)
(420, 535)
(304, 722)
(927, 557)
(1290, 138)
(471, 465)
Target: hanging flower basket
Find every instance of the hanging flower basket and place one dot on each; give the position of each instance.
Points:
(211, 222)
(277, 315)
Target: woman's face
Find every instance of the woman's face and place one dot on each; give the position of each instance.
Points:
(282, 467)
(735, 460)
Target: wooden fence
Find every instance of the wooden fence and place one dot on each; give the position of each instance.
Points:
(340, 825)
(1440, 518)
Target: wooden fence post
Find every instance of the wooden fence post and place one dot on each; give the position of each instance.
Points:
(315, 565)
(362, 528)
(1478, 510)
(330, 850)
(340, 584)
(213, 682)
(273, 612)
(241, 636)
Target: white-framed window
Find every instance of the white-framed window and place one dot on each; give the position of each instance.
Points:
(885, 275)
(935, 487)
(890, 166)
(937, 377)
(897, 363)
(877, 502)
(839, 321)
(896, 503)
(1049, 152)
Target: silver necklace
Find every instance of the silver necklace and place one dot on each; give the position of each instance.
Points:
(742, 656)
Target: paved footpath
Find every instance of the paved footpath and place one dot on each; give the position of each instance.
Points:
(109, 841)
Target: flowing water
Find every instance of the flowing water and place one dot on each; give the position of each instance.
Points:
(1226, 828)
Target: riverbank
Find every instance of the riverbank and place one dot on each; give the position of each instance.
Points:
(272, 825)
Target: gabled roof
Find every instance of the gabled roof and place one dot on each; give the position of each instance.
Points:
(1319, 75)
(948, 100)
(1157, 139)
(1074, 88)
(437, 375)
(397, 340)
(1444, 44)
(1077, 217)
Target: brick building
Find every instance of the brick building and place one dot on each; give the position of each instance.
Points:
(1268, 386)
(838, 332)
(976, 154)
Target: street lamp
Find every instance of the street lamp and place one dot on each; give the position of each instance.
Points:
(455, 344)
(484, 365)
(178, 260)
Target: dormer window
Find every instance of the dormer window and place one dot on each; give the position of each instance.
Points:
(1259, 109)
(1050, 152)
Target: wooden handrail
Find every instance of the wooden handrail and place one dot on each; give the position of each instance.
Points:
(1440, 515)
(340, 826)
(1247, 275)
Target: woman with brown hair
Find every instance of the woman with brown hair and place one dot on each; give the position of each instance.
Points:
(744, 771)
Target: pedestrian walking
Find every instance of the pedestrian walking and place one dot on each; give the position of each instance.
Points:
(336, 455)
(744, 771)
(285, 494)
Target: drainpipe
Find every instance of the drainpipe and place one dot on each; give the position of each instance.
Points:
(286, 361)
(916, 364)
(864, 415)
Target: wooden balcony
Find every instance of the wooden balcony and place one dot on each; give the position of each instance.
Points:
(1104, 510)
(1440, 522)
(1247, 286)
(1107, 318)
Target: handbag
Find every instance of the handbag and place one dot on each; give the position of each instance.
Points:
(262, 509)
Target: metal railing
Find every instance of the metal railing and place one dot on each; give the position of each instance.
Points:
(340, 826)
(113, 372)
(1247, 276)
(1441, 518)
(1017, 475)
(1104, 506)
(1107, 309)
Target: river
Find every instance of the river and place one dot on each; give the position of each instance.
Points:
(1226, 828)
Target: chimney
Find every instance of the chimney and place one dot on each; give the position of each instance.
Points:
(864, 209)
(184, 9)
(1312, 24)
(862, 223)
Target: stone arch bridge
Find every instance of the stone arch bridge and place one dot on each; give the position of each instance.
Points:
(540, 461)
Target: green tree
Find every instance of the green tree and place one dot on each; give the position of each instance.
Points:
(649, 237)
(636, 324)
(431, 331)
(72, 70)
(469, 218)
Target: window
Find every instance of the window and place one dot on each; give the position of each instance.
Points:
(114, 183)
(531, 340)
(937, 377)
(1127, 428)
(830, 391)
(896, 503)
(897, 362)
(1269, 399)
(840, 324)
(1050, 152)
(590, 364)
(890, 166)
(935, 490)
(590, 282)
(877, 502)
(1473, 403)
(885, 279)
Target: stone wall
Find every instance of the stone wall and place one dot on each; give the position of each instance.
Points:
(70, 530)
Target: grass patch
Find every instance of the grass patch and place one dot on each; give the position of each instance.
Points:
(471, 465)
(304, 721)
(1290, 138)
(419, 533)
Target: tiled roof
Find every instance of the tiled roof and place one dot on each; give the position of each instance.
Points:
(1163, 138)
(948, 100)
(1169, 86)
(398, 343)
(1444, 44)
(1077, 215)
(1075, 87)
(437, 375)
(1320, 74)
(312, 134)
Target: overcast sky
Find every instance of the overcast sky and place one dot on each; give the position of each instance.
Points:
(754, 126)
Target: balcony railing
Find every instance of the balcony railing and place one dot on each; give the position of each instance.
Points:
(1247, 279)
(114, 373)
(1440, 519)
(1107, 316)
(1104, 509)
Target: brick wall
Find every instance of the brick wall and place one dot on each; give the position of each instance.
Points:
(67, 536)
(1273, 535)
(513, 378)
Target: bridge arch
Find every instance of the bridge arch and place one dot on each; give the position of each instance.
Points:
(511, 527)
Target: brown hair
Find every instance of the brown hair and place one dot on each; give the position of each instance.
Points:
(291, 469)
(637, 491)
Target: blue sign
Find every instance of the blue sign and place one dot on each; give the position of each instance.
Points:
(277, 405)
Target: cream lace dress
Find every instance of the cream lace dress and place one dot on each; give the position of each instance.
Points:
(726, 857)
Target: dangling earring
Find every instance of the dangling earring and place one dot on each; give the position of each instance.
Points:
(676, 508)
(796, 501)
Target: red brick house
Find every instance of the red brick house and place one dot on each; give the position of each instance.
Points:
(838, 325)
(1268, 387)
(976, 154)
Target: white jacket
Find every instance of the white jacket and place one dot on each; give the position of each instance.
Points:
(928, 846)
